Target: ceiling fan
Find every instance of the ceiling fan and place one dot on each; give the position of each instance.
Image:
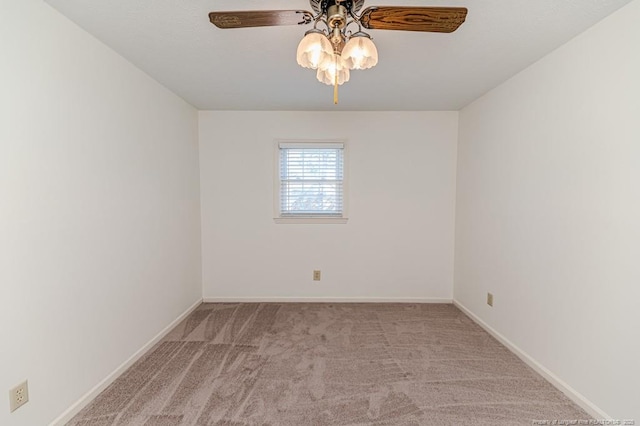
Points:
(335, 48)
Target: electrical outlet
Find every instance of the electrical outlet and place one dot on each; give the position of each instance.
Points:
(316, 275)
(18, 396)
(489, 299)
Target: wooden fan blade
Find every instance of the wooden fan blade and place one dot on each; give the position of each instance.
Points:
(430, 19)
(260, 18)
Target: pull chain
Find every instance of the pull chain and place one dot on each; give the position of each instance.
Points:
(335, 83)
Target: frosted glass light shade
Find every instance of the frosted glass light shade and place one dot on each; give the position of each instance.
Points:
(328, 69)
(360, 53)
(313, 50)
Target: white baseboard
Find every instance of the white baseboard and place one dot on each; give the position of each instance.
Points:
(325, 300)
(89, 396)
(563, 387)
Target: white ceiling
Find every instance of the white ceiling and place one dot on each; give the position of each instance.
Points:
(256, 69)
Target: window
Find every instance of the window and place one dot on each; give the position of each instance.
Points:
(310, 182)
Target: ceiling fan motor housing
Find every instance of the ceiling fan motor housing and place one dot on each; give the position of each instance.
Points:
(337, 16)
(322, 6)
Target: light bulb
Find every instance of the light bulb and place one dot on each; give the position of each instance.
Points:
(327, 71)
(360, 53)
(313, 50)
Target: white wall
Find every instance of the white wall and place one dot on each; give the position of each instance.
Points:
(548, 212)
(398, 242)
(99, 210)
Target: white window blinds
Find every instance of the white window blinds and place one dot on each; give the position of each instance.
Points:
(311, 179)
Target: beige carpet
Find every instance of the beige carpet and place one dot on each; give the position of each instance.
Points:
(328, 364)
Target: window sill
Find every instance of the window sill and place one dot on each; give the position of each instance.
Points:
(310, 220)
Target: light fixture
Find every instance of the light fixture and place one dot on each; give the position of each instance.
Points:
(334, 67)
(360, 53)
(335, 50)
(314, 49)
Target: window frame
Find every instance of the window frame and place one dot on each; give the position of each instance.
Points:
(309, 219)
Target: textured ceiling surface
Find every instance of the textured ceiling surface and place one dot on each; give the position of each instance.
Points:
(256, 69)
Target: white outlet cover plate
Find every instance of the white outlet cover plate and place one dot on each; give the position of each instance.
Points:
(18, 396)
